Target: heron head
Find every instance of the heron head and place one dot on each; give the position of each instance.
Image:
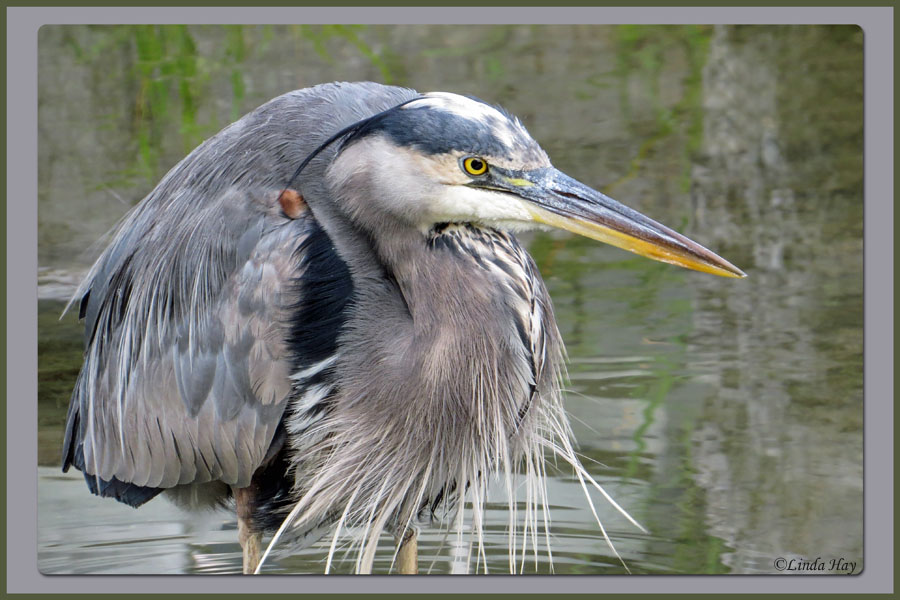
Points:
(444, 158)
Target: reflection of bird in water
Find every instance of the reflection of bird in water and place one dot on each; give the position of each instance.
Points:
(322, 313)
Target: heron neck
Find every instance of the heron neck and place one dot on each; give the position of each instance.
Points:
(436, 291)
(447, 328)
(446, 281)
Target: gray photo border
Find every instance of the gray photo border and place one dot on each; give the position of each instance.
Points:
(21, 568)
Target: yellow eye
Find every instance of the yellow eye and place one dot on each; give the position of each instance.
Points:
(475, 166)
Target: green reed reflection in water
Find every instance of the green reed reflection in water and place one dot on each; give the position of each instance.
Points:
(727, 417)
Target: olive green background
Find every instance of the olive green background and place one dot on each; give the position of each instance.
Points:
(146, 159)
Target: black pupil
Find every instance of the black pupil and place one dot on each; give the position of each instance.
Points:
(476, 164)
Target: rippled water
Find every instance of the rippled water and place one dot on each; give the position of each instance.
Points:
(726, 416)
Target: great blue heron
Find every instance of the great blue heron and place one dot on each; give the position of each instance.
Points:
(322, 313)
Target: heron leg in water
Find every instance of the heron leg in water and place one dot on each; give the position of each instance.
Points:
(408, 553)
(250, 539)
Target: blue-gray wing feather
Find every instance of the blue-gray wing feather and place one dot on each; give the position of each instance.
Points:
(186, 365)
(186, 369)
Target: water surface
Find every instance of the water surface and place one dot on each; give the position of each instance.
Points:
(725, 415)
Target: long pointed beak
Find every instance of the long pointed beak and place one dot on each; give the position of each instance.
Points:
(557, 200)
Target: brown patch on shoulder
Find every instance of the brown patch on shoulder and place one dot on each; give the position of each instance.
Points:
(292, 203)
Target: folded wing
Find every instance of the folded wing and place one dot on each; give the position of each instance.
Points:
(186, 370)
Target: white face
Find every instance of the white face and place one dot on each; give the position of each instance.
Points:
(424, 189)
(421, 190)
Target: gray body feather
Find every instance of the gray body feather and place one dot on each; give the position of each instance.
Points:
(186, 369)
(446, 370)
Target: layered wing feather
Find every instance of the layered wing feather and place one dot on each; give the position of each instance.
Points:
(186, 371)
(187, 368)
